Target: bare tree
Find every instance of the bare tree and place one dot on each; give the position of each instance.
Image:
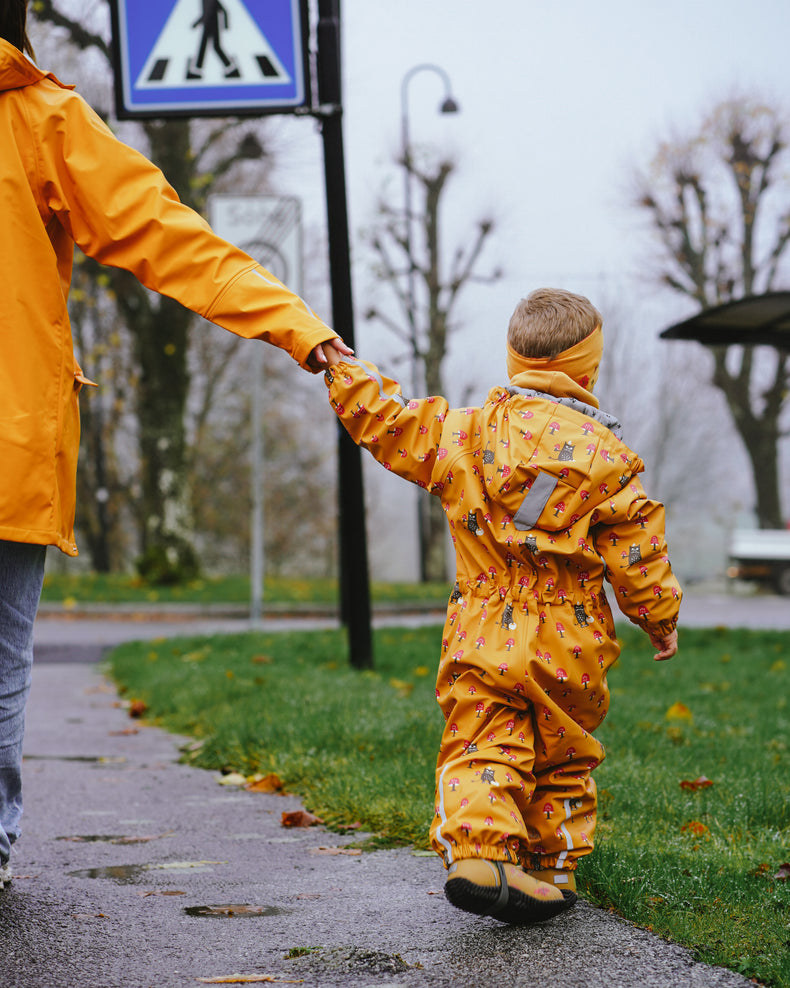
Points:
(427, 292)
(719, 210)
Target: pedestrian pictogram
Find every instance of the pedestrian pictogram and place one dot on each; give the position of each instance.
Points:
(228, 49)
(209, 56)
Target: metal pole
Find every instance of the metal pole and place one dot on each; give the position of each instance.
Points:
(354, 579)
(256, 547)
(449, 105)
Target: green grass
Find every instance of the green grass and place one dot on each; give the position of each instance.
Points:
(695, 865)
(115, 588)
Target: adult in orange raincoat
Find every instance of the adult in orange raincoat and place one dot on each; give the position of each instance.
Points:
(65, 179)
(544, 503)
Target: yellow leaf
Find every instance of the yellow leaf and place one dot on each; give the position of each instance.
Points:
(233, 779)
(679, 711)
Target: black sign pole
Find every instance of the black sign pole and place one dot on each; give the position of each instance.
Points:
(354, 578)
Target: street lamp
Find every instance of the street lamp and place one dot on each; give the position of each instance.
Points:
(448, 105)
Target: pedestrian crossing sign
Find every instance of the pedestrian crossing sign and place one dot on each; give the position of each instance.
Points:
(209, 57)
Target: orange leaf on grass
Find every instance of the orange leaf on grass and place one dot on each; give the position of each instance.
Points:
(696, 784)
(137, 708)
(300, 818)
(679, 711)
(694, 827)
(269, 783)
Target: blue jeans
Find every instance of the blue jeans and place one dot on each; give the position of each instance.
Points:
(21, 578)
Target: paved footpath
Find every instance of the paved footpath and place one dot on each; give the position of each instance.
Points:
(135, 871)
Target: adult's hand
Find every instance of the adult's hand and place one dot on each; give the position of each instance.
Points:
(317, 361)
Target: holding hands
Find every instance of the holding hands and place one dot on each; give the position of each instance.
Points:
(327, 354)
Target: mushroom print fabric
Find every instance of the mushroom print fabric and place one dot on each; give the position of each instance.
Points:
(544, 504)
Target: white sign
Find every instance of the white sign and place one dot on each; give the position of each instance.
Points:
(268, 228)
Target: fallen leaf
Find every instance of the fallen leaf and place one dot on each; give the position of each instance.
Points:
(300, 818)
(145, 895)
(125, 733)
(695, 827)
(89, 916)
(261, 659)
(233, 779)
(784, 872)
(336, 850)
(268, 783)
(137, 708)
(696, 784)
(679, 711)
(249, 979)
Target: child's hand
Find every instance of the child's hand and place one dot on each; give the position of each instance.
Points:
(667, 645)
(334, 351)
(319, 358)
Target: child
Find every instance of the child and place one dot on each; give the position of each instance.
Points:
(543, 500)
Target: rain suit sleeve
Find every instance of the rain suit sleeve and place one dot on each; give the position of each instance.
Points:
(629, 536)
(403, 435)
(119, 209)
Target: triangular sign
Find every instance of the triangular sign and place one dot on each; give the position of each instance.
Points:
(211, 43)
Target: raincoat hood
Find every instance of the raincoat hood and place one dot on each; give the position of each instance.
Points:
(572, 370)
(16, 69)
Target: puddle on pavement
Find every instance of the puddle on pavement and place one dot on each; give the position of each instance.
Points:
(112, 838)
(92, 838)
(234, 911)
(131, 874)
(91, 759)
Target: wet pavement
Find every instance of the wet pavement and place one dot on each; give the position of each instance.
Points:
(134, 870)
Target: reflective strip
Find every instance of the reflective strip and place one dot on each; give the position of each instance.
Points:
(448, 848)
(535, 500)
(566, 834)
(373, 373)
(277, 284)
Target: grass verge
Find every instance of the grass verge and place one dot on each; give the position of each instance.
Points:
(693, 839)
(115, 588)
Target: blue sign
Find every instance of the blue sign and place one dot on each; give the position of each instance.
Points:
(209, 57)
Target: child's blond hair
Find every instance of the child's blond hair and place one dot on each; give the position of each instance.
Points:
(550, 320)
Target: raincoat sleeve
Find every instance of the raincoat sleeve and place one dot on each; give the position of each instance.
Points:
(119, 209)
(403, 435)
(629, 536)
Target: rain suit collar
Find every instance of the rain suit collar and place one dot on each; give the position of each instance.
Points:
(17, 71)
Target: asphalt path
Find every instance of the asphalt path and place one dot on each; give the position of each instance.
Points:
(135, 870)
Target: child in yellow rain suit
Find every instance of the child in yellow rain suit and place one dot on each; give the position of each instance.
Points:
(544, 501)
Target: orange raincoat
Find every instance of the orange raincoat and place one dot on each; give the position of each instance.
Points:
(544, 502)
(66, 179)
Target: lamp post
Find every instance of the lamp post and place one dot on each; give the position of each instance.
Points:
(448, 105)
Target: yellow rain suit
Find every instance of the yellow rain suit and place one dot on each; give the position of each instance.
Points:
(544, 501)
(66, 179)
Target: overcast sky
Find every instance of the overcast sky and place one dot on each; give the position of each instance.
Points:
(559, 99)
